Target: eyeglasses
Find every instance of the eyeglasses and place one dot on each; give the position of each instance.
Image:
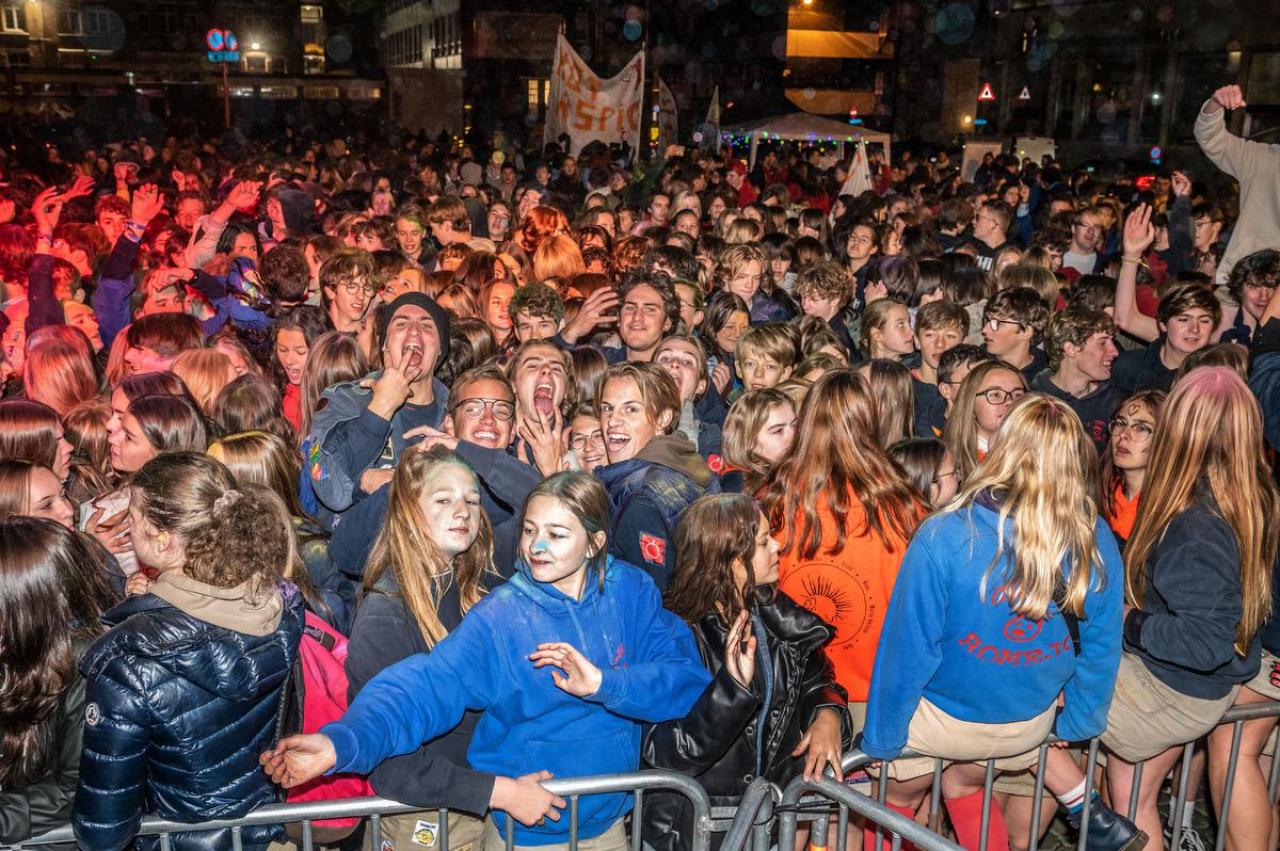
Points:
(998, 396)
(994, 324)
(1141, 431)
(474, 408)
(942, 476)
(354, 287)
(578, 442)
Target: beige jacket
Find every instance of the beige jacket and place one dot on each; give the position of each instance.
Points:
(1257, 167)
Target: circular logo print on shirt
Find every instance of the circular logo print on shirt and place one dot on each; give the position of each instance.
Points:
(92, 715)
(836, 594)
(1022, 630)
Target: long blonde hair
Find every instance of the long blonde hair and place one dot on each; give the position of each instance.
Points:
(1044, 469)
(403, 547)
(1210, 434)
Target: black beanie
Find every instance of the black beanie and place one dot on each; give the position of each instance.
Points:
(427, 303)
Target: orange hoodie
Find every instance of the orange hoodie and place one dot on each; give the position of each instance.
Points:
(849, 590)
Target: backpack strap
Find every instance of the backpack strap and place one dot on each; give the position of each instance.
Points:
(1072, 621)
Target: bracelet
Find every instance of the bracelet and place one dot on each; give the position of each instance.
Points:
(45, 237)
(1137, 261)
(130, 223)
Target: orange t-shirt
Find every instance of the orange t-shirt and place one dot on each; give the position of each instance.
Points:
(849, 590)
(1123, 514)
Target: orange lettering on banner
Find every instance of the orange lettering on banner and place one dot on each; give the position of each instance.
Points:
(606, 113)
(562, 109)
(583, 116)
(633, 117)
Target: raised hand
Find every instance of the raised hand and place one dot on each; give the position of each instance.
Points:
(1139, 233)
(47, 209)
(82, 187)
(147, 203)
(1229, 97)
(1181, 185)
(740, 650)
(244, 194)
(597, 310)
(297, 759)
(112, 532)
(572, 672)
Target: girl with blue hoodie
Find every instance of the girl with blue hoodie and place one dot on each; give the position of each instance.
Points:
(1006, 599)
(617, 660)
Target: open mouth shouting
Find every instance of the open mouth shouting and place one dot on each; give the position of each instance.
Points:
(544, 398)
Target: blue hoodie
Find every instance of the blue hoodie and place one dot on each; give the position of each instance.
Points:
(976, 660)
(647, 656)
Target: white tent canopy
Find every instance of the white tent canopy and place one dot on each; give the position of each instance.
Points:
(803, 127)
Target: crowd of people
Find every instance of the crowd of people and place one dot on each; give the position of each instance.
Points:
(411, 472)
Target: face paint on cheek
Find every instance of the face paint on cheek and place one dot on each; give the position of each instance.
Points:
(540, 546)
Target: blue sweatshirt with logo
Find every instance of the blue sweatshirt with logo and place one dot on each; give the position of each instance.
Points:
(651, 673)
(973, 657)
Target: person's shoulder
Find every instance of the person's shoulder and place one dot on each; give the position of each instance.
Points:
(1200, 525)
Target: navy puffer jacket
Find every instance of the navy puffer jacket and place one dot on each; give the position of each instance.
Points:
(177, 712)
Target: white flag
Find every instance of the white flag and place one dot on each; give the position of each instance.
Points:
(589, 108)
(668, 118)
(859, 179)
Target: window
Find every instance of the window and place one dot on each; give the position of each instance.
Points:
(14, 19)
(313, 63)
(312, 14)
(539, 93)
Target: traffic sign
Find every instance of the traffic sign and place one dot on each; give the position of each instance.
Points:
(987, 92)
(1025, 94)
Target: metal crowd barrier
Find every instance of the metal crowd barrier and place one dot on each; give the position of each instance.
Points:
(762, 809)
(855, 760)
(637, 783)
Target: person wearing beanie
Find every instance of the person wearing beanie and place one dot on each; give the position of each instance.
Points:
(361, 427)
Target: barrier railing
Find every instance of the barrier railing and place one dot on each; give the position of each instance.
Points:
(1236, 716)
(762, 809)
(636, 783)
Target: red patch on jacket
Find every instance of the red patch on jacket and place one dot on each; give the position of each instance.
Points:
(653, 548)
(715, 464)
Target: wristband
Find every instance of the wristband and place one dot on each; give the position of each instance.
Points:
(1137, 261)
(45, 237)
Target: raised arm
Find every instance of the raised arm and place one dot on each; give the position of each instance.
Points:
(1138, 236)
(1237, 157)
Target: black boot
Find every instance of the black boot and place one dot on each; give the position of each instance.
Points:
(1108, 830)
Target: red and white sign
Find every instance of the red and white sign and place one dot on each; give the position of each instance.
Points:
(589, 108)
(987, 92)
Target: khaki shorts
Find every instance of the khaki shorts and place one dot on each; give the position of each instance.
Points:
(1262, 682)
(613, 839)
(1013, 746)
(858, 716)
(1148, 717)
(421, 831)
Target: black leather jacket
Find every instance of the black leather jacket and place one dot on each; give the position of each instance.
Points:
(717, 741)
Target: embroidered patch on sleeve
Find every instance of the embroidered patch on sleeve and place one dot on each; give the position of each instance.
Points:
(715, 464)
(653, 548)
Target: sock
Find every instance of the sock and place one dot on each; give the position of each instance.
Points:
(1073, 801)
(966, 818)
(1188, 814)
(886, 839)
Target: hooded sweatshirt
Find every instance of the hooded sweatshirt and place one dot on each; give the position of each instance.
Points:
(970, 655)
(649, 493)
(650, 668)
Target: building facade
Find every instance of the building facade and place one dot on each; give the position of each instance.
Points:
(147, 60)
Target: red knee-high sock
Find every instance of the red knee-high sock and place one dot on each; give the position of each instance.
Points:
(966, 818)
(869, 833)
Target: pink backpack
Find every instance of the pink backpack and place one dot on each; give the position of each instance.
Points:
(318, 688)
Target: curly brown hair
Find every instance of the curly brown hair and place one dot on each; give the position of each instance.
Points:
(231, 533)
